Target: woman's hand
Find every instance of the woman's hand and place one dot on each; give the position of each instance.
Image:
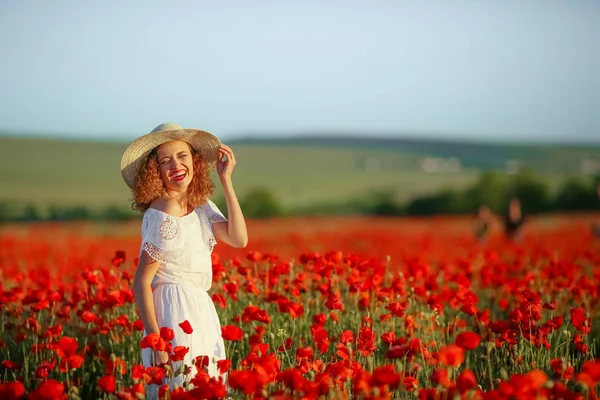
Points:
(159, 357)
(233, 231)
(225, 163)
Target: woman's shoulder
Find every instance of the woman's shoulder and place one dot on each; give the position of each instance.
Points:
(166, 205)
(206, 204)
(163, 212)
(161, 219)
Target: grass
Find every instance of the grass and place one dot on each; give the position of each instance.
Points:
(49, 171)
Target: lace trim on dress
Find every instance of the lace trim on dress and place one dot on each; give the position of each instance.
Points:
(214, 218)
(207, 221)
(158, 254)
(211, 243)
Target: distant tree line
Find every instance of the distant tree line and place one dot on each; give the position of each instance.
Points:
(493, 189)
(17, 211)
(258, 203)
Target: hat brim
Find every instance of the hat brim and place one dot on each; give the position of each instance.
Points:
(134, 155)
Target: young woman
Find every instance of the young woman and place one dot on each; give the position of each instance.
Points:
(168, 171)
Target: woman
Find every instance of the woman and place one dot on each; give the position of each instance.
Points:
(168, 171)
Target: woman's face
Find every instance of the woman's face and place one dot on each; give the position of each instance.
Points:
(176, 165)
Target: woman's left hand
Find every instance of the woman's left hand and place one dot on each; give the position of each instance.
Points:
(225, 162)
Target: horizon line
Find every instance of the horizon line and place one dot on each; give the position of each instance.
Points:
(316, 134)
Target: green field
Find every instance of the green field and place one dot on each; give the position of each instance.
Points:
(87, 173)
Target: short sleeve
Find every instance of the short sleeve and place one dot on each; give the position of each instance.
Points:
(213, 213)
(161, 237)
(210, 215)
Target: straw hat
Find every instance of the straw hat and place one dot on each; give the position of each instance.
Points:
(134, 155)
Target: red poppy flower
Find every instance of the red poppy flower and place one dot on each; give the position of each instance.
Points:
(11, 390)
(592, 368)
(232, 333)
(294, 309)
(291, 378)
(138, 325)
(119, 258)
(410, 383)
(244, 381)
(452, 355)
(561, 369)
(54, 330)
(253, 313)
(43, 370)
(208, 389)
(33, 324)
(107, 384)
(69, 363)
(440, 377)
(532, 381)
(164, 391)
(385, 376)
(321, 337)
(319, 319)
(365, 342)
(231, 289)
(167, 333)
(334, 302)
(347, 336)
(396, 309)
(466, 381)
(590, 374)
(49, 389)
(253, 256)
(304, 353)
(287, 344)
(137, 372)
(186, 327)
(88, 316)
(342, 351)
(468, 340)
(223, 366)
(201, 362)
(555, 322)
(11, 365)
(469, 308)
(179, 353)
(579, 321)
(385, 317)
(154, 342)
(388, 337)
(66, 346)
(115, 365)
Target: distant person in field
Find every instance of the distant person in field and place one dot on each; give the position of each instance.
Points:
(596, 224)
(514, 219)
(483, 221)
(168, 171)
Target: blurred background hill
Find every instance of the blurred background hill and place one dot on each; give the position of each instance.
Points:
(62, 179)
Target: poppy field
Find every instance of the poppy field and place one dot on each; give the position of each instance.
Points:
(346, 308)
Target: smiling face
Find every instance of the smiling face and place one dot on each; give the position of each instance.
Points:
(176, 165)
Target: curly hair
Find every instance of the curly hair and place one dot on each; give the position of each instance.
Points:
(149, 185)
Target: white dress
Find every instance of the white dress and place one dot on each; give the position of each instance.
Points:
(183, 246)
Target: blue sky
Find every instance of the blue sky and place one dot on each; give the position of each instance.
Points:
(487, 70)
